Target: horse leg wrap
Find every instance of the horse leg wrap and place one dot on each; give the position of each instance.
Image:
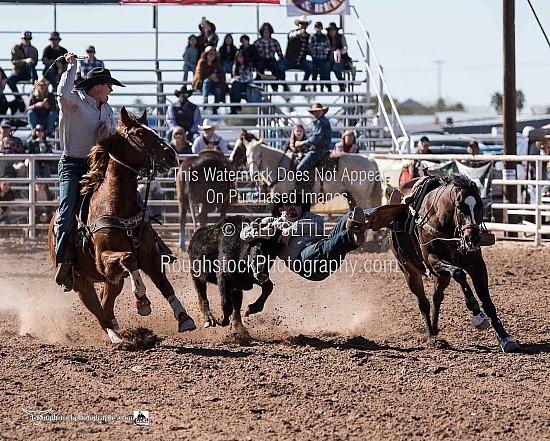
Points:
(186, 323)
(138, 287)
(480, 321)
(113, 336)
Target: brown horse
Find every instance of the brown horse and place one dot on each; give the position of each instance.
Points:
(442, 238)
(203, 182)
(118, 240)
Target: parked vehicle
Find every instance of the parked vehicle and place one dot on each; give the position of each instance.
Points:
(439, 144)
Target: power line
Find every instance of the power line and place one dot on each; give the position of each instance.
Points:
(538, 21)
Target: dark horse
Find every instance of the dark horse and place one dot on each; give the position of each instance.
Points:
(442, 238)
(118, 239)
(218, 255)
(205, 182)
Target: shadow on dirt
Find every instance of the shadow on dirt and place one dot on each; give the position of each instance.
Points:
(358, 342)
(208, 352)
(542, 347)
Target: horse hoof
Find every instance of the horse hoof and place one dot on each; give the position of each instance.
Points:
(186, 323)
(508, 344)
(143, 306)
(480, 321)
(113, 336)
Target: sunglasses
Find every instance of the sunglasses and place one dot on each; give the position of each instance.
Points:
(54, 39)
(91, 52)
(178, 134)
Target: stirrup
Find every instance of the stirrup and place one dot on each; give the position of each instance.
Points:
(356, 222)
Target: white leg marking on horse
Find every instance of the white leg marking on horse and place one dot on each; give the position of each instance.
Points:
(176, 306)
(138, 287)
(470, 201)
(116, 326)
(115, 339)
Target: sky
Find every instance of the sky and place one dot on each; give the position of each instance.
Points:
(409, 39)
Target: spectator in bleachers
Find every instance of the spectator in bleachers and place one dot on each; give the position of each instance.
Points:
(50, 57)
(190, 56)
(297, 50)
(320, 48)
(9, 144)
(38, 143)
(209, 139)
(243, 74)
(179, 141)
(4, 105)
(268, 49)
(292, 151)
(89, 63)
(24, 58)
(6, 194)
(184, 113)
(43, 214)
(210, 76)
(41, 108)
(250, 52)
(347, 144)
(339, 58)
(208, 36)
(227, 53)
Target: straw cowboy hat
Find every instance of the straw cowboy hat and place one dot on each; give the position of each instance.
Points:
(98, 75)
(184, 91)
(302, 19)
(317, 106)
(207, 124)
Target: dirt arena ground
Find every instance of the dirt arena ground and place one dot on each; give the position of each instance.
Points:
(344, 359)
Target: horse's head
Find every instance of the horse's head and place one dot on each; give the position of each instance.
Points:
(153, 153)
(468, 213)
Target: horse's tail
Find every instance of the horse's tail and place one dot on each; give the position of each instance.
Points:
(51, 240)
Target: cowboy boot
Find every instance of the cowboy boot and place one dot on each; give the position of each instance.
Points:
(64, 273)
(357, 226)
(163, 248)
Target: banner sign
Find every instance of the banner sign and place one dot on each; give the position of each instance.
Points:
(195, 2)
(317, 7)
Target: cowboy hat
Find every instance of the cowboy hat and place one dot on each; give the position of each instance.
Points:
(55, 36)
(184, 91)
(294, 197)
(302, 19)
(98, 75)
(26, 35)
(317, 106)
(332, 25)
(207, 124)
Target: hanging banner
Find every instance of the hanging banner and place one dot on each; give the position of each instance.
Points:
(317, 7)
(195, 2)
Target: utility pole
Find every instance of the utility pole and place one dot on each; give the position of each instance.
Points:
(509, 98)
(439, 63)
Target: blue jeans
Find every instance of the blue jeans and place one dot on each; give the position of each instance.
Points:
(51, 76)
(308, 163)
(47, 121)
(272, 64)
(329, 249)
(28, 74)
(305, 65)
(69, 195)
(228, 67)
(211, 88)
(321, 68)
(338, 69)
(237, 88)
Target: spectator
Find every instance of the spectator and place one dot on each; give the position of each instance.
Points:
(347, 144)
(208, 36)
(297, 49)
(318, 144)
(240, 82)
(338, 56)
(37, 143)
(296, 153)
(227, 54)
(43, 213)
(268, 48)
(179, 141)
(251, 55)
(89, 63)
(6, 194)
(190, 56)
(4, 105)
(209, 139)
(210, 77)
(473, 149)
(9, 144)
(184, 114)
(423, 146)
(52, 66)
(41, 108)
(320, 48)
(154, 195)
(24, 58)
(413, 168)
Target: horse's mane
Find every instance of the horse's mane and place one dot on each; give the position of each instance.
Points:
(99, 156)
(459, 181)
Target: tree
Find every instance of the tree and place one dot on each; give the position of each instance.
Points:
(496, 100)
